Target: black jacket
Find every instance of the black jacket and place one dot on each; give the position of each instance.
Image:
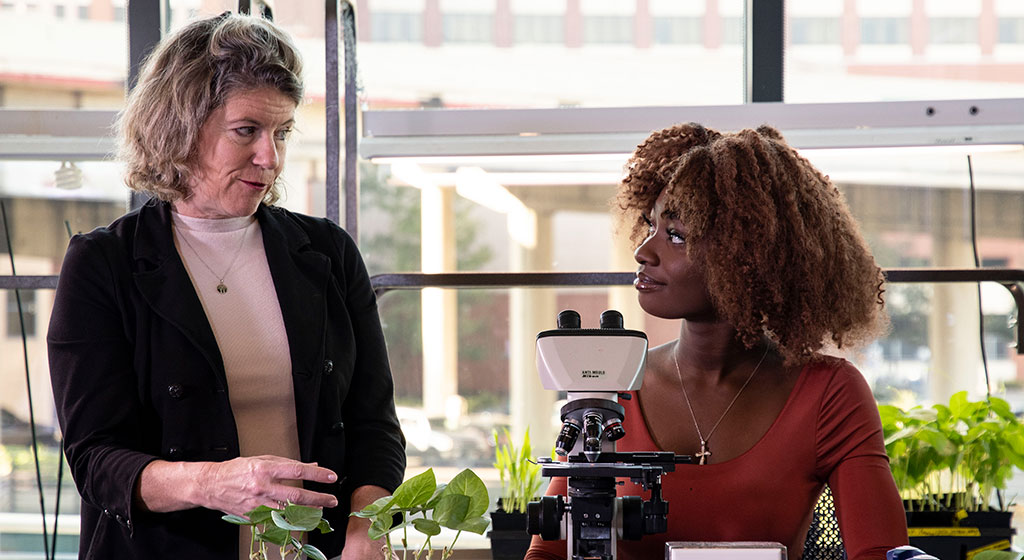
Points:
(137, 376)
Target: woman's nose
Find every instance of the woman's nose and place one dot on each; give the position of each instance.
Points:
(266, 155)
(644, 254)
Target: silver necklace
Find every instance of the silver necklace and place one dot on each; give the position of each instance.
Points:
(704, 451)
(221, 286)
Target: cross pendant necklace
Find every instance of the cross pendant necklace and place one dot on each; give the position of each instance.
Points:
(704, 453)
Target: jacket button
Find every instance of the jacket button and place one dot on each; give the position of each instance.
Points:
(175, 391)
(328, 367)
(106, 512)
(174, 452)
(338, 428)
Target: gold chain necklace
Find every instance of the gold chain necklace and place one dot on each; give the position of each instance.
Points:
(704, 451)
(221, 286)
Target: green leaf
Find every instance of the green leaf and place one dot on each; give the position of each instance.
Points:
(476, 525)
(417, 490)
(306, 518)
(324, 526)
(274, 534)
(958, 405)
(283, 523)
(428, 527)
(380, 526)
(312, 552)
(468, 484)
(237, 520)
(260, 514)
(379, 505)
(924, 414)
(441, 488)
(451, 510)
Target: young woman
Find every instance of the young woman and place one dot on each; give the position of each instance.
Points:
(756, 252)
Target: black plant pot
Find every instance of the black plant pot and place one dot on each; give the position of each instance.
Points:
(509, 539)
(939, 534)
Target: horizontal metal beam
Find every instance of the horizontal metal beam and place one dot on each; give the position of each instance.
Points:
(1011, 279)
(433, 132)
(65, 134)
(28, 282)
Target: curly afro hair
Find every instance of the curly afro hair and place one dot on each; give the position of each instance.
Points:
(781, 253)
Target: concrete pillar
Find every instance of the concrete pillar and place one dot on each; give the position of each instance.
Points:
(531, 310)
(439, 323)
(953, 321)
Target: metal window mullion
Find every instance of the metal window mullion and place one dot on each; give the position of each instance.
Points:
(144, 23)
(763, 50)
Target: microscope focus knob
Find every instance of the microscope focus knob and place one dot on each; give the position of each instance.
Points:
(632, 518)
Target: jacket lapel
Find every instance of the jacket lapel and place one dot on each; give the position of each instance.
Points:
(164, 283)
(301, 276)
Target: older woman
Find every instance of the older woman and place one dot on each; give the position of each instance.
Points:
(211, 352)
(755, 250)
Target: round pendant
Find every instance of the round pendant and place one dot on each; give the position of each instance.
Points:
(222, 288)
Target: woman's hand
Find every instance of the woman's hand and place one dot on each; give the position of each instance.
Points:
(236, 486)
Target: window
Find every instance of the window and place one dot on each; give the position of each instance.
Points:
(608, 29)
(678, 30)
(467, 28)
(808, 30)
(884, 31)
(388, 27)
(538, 28)
(28, 313)
(1011, 30)
(943, 31)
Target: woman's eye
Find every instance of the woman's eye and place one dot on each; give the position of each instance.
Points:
(676, 237)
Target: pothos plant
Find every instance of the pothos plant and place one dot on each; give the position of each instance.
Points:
(955, 457)
(282, 527)
(428, 507)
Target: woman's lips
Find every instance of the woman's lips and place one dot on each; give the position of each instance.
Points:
(644, 282)
(255, 185)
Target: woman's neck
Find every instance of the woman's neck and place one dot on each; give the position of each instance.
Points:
(711, 349)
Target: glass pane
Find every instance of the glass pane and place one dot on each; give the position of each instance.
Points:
(914, 207)
(472, 53)
(551, 213)
(70, 55)
(885, 50)
(22, 530)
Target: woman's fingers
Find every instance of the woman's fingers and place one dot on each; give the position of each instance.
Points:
(239, 485)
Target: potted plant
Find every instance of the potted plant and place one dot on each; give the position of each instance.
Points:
(951, 464)
(428, 507)
(283, 527)
(520, 484)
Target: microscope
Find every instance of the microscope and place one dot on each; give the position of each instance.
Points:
(596, 367)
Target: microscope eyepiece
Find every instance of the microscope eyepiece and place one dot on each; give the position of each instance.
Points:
(569, 319)
(611, 319)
